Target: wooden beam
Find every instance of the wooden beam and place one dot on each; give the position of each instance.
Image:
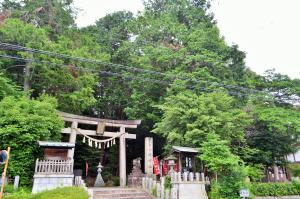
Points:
(105, 134)
(66, 119)
(94, 121)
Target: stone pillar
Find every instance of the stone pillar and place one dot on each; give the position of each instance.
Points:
(276, 174)
(149, 155)
(122, 157)
(72, 139)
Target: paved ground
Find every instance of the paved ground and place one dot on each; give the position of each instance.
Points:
(119, 193)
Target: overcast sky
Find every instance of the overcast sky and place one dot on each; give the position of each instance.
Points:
(267, 30)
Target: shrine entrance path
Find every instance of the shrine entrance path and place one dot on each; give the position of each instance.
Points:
(119, 193)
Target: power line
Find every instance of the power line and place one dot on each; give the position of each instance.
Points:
(135, 69)
(87, 69)
(21, 48)
(161, 82)
(165, 83)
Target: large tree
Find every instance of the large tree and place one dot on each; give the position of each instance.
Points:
(188, 118)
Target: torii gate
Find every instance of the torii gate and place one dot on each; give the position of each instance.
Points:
(100, 131)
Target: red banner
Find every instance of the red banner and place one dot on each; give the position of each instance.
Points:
(165, 167)
(176, 167)
(156, 166)
(86, 168)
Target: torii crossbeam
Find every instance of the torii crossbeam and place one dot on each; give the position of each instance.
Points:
(100, 131)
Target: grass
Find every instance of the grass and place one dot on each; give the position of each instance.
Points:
(60, 193)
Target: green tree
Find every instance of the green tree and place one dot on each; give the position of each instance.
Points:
(275, 134)
(188, 118)
(228, 170)
(24, 122)
(7, 87)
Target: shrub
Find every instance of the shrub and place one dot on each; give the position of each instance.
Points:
(22, 123)
(295, 169)
(60, 193)
(168, 184)
(275, 189)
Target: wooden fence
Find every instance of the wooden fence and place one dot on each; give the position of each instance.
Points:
(54, 166)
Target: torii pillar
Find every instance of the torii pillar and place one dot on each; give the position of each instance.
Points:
(122, 157)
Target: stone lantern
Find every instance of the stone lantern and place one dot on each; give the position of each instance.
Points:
(171, 163)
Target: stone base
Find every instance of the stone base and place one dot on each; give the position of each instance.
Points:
(191, 190)
(44, 182)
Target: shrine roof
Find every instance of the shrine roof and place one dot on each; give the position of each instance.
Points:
(184, 149)
(64, 145)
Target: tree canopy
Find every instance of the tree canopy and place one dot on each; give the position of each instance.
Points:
(168, 66)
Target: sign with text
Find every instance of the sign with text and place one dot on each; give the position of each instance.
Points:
(244, 193)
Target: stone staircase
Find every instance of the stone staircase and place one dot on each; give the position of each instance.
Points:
(119, 193)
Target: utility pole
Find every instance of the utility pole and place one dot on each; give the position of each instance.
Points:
(26, 84)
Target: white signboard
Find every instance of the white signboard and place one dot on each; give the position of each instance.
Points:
(244, 193)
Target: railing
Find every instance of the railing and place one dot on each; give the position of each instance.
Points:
(189, 177)
(54, 166)
(197, 180)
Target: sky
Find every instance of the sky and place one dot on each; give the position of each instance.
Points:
(267, 30)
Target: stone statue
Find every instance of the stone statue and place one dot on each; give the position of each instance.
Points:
(136, 175)
(137, 163)
(99, 180)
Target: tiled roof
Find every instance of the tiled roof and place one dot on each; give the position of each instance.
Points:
(185, 149)
(56, 144)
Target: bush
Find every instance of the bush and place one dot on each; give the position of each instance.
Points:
(23, 122)
(275, 189)
(60, 193)
(295, 169)
(168, 184)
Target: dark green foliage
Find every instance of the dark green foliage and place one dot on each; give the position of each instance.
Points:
(22, 123)
(275, 189)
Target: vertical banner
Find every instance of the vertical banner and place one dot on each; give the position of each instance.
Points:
(149, 155)
(156, 166)
(176, 167)
(86, 168)
(165, 167)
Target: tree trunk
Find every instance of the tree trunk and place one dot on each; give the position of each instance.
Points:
(51, 14)
(26, 84)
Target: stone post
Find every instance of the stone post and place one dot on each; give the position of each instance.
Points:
(149, 155)
(185, 176)
(122, 157)
(167, 196)
(202, 177)
(158, 190)
(191, 176)
(197, 177)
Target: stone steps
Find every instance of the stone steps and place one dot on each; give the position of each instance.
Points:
(119, 193)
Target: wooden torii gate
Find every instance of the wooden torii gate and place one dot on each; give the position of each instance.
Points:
(100, 131)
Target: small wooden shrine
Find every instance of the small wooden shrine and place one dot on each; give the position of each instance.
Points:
(56, 150)
(55, 169)
(185, 158)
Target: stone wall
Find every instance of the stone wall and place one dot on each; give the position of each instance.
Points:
(51, 181)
